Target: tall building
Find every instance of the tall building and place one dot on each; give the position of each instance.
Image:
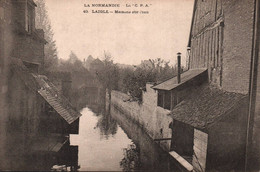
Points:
(33, 112)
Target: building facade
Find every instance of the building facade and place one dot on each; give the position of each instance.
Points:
(34, 114)
(208, 113)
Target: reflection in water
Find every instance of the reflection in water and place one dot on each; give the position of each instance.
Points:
(108, 140)
(41, 156)
(150, 156)
(106, 124)
(131, 161)
(96, 150)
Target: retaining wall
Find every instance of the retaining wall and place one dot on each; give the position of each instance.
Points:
(153, 119)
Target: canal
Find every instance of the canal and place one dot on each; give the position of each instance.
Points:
(108, 140)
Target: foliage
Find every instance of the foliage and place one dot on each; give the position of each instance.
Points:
(152, 70)
(108, 74)
(42, 22)
(73, 64)
(107, 125)
(135, 81)
(131, 160)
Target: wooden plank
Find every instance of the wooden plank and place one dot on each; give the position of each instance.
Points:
(194, 53)
(191, 54)
(197, 53)
(201, 51)
(220, 45)
(162, 139)
(206, 48)
(208, 54)
(198, 164)
(200, 148)
(216, 47)
(221, 53)
(200, 134)
(201, 160)
(181, 160)
(210, 50)
(213, 48)
(199, 143)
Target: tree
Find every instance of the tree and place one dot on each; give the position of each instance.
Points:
(73, 64)
(43, 22)
(152, 70)
(108, 75)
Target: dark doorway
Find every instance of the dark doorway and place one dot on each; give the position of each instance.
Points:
(182, 139)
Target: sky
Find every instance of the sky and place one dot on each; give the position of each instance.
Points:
(129, 38)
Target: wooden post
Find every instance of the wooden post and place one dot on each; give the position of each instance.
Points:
(179, 67)
(253, 83)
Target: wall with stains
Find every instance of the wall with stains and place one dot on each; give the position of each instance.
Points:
(221, 40)
(154, 120)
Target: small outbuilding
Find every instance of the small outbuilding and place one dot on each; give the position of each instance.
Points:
(208, 128)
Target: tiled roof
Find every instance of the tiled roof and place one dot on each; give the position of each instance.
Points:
(59, 103)
(46, 89)
(173, 82)
(52, 143)
(23, 72)
(206, 105)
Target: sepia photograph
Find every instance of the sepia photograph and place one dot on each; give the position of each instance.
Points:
(130, 85)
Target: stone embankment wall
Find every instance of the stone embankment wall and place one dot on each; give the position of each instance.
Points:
(153, 119)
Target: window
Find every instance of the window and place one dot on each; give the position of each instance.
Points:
(28, 19)
(167, 100)
(160, 98)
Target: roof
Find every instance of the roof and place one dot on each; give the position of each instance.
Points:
(205, 106)
(46, 89)
(52, 143)
(173, 82)
(57, 101)
(23, 72)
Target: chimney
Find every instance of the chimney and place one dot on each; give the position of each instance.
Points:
(179, 67)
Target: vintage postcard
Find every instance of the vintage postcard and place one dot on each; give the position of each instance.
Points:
(129, 85)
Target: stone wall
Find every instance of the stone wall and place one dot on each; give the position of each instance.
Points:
(154, 120)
